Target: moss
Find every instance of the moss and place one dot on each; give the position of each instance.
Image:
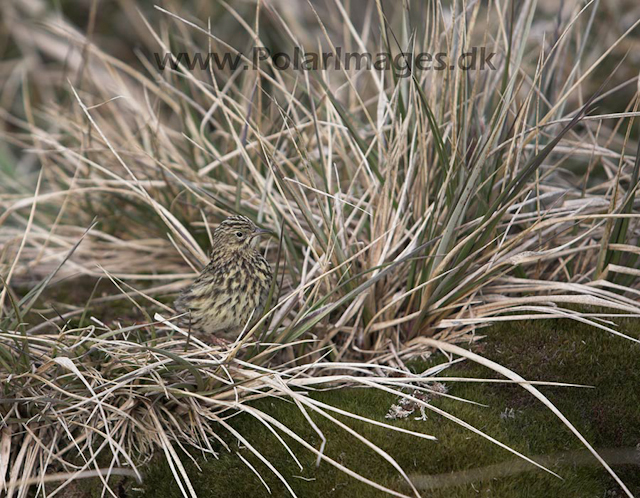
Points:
(560, 351)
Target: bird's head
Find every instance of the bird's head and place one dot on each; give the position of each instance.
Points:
(236, 233)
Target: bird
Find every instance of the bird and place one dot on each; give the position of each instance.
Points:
(230, 293)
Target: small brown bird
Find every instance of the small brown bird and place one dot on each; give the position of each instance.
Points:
(231, 292)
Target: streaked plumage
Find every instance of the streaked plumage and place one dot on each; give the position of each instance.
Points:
(234, 284)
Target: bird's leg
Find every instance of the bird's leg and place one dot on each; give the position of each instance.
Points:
(219, 341)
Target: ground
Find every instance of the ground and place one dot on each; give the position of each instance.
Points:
(555, 350)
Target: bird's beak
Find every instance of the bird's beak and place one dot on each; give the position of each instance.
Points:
(261, 231)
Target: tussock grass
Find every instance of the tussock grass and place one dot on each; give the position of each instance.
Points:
(412, 211)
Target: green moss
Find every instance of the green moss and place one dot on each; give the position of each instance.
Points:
(560, 351)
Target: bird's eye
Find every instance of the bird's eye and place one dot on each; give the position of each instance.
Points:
(239, 235)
